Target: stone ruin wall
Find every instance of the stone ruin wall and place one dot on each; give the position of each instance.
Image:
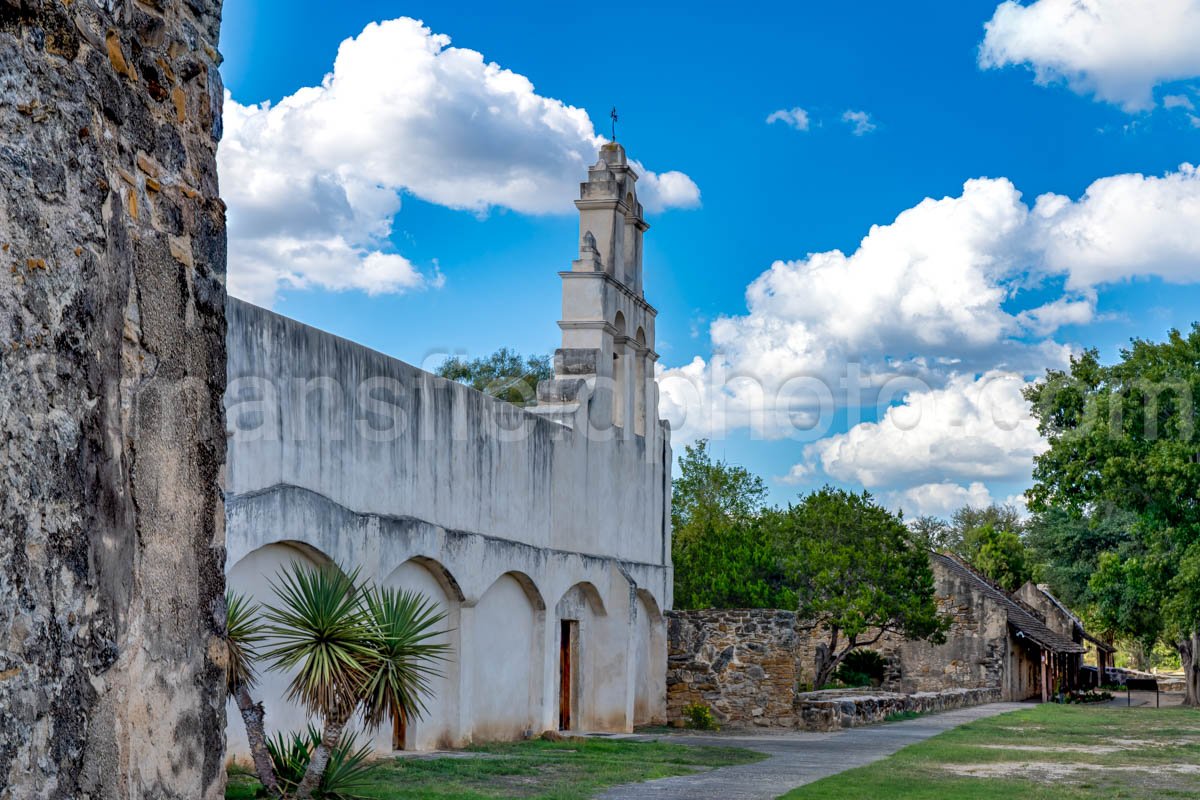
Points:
(741, 663)
(112, 370)
(748, 665)
(974, 654)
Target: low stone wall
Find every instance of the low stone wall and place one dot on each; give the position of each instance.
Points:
(833, 710)
(750, 665)
(741, 663)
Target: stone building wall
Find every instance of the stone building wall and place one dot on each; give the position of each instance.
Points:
(506, 519)
(975, 653)
(741, 663)
(112, 370)
(749, 665)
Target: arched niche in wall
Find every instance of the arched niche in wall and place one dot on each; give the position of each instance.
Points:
(252, 577)
(436, 728)
(639, 383)
(578, 633)
(650, 661)
(506, 658)
(620, 367)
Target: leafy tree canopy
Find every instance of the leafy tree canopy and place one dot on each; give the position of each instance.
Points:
(722, 556)
(1065, 548)
(856, 572)
(990, 539)
(1126, 435)
(1002, 557)
(706, 487)
(505, 374)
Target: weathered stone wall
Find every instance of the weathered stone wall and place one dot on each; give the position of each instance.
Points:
(1056, 618)
(833, 710)
(975, 654)
(112, 370)
(750, 665)
(741, 663)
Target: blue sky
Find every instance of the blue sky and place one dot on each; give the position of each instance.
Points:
(466, 270)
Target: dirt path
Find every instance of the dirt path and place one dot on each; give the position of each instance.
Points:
(796, 758)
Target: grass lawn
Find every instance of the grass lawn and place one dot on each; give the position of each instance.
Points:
(537, 770)
(1048, 751)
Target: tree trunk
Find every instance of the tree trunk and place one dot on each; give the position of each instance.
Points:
(1189, 653)
(252, 715)
(320, 757)
(826, 661)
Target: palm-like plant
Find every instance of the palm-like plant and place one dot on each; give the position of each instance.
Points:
(349, 771)
(404, 655)
(352, 647)
(243, 636)
(320, 629)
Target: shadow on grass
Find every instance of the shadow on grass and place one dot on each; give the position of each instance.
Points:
(533, 770)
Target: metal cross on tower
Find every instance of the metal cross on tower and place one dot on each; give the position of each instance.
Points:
(613, 114)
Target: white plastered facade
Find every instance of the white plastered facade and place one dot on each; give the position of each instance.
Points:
(512, 520)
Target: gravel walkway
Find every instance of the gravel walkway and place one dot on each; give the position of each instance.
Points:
(796, 758)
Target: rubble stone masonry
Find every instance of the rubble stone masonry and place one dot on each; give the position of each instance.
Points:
(112, 371)
(741, 663)
(751, 666)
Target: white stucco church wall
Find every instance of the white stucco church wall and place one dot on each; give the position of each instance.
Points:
(544, 533)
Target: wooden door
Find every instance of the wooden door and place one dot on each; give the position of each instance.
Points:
(565, 678)
(399, 731)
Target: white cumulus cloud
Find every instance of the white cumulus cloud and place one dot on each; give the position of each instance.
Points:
(860, 121)
(796, 118)
(926, 320)
(971, 429)
(314, 181)
(1124, 226)
(1117, 50)
(939, 499)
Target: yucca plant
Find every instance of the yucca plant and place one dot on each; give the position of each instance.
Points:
(319, 629)
(290, 754)
(404, 656)
(244, 634)
(352, 648)
(349, 770)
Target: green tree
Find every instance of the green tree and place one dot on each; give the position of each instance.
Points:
(1065, 549)
(857, 573)
(706, 487)
(505, 374)
(934, 533)
(1002, 557)
(353, 649)
(1125, 435)
(1125, 601)
(723, 557)
(970, 523)
(244, 635)
(964, 534)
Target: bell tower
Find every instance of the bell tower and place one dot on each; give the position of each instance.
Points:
(605, 366)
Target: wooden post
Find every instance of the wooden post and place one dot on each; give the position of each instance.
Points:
(1045, 670)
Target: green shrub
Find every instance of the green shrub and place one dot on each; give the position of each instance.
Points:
(1086, 697)
(866, 666)
(347, 773)
(700, 717)
(852, 679)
